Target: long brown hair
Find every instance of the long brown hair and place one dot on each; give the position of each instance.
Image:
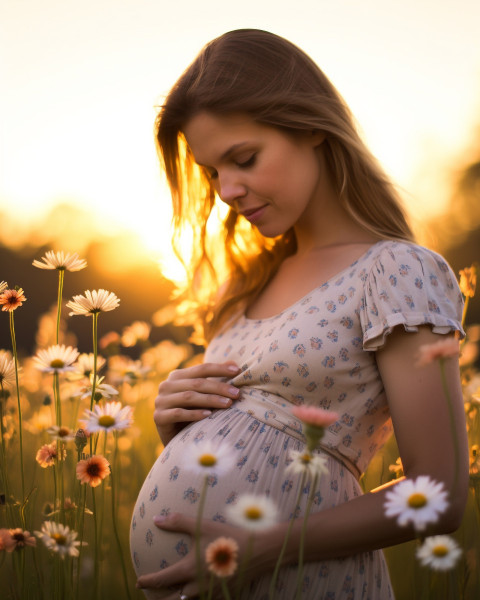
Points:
(277, 84)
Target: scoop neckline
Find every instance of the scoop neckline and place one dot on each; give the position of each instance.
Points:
(328, 281)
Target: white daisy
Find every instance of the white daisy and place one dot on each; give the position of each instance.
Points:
(84, 365)
(110, 417)
(93, 302)
(56, 359)
(252, 512)
(102, 390)
(209, 460)
(439, 552)
(419, 501)
(7, 369)
(60, 261)
(61, 433)
(59, 538)
(306, 462)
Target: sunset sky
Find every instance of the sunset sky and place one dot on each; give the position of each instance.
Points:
(80, 82)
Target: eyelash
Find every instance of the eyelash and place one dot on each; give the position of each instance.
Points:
(250, 162)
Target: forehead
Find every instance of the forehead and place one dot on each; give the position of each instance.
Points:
(210, 136)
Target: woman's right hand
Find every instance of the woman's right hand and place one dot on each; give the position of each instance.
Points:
(190, 394)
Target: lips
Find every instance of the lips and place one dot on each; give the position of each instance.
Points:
(252, 214)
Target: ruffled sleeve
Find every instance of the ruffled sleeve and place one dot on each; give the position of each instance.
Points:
(409, 285)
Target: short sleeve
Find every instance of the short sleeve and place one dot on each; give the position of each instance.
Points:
(411, 286)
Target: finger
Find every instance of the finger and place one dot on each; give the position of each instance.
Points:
(179, 415)
(176, 522)
(189, 390)
(203, 370)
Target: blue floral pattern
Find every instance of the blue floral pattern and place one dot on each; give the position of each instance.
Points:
(319, 351)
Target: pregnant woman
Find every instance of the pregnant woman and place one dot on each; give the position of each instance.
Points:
(314, 293)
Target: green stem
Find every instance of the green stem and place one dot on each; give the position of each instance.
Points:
(20, 427)
(95, 354)
(114, 520)
(301, 551)
(226, 593)
(271, 591)
(4, 458)
(80, 529)
(61, 276)
(95, 542)
(243, 566)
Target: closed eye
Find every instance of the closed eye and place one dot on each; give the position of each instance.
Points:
(247, 163)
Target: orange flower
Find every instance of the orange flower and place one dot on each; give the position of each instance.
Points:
(22, 538)
(48, 455)
(468, 281)
(442, 349)
(221, 556)
(12, 299)
(93, 470)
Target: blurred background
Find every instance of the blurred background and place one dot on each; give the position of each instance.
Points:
(80, 86)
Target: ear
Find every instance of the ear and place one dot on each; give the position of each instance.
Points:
(317, 137)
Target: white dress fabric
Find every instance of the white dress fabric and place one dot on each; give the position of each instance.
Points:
(318, 351)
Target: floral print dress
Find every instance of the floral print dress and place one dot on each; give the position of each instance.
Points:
(321, 351)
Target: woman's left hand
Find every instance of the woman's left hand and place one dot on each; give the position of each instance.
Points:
(180, 578)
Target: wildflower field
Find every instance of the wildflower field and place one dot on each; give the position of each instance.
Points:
(78, 439)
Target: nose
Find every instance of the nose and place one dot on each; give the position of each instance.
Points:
(230, 188)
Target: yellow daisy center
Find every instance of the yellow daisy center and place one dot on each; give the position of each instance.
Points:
(417, 500)
(207, 460)
(306, 458)
(57, 363)
(59, 538)
(440, 551)
(106, 421)
(253, 513)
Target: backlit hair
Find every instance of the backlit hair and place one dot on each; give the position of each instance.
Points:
(277, 84)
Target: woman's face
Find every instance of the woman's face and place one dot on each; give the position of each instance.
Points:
(271, 178)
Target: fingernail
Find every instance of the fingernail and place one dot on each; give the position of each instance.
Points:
(234, 391)
(225, 401)
(233, 369)
(159, 519)
(206, 413)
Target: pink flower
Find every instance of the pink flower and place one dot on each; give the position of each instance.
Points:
(22, 538)
(48, 455)
(446, 348)
(315, 420)
(6, 540)
(314, 416)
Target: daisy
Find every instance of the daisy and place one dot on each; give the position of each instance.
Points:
(59, 538)
(93, 302)
(440, 552)
(252, 512)
(110, 417)
(221, 556)
(22, 538)
(7, 369)
(60, 261)
(62, 434)
(7, 542)
(138, 331)
(102, 390)
(85, 364)
(12, 299)
(207, 459)
(468, 281)
(306, 462)
(419, 501)
(93, 470)
(56, 359)
(48, 455)
(446, 348)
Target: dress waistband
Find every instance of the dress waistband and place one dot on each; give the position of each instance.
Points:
(281, 418)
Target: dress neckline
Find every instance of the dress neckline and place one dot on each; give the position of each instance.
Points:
(328, 281)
